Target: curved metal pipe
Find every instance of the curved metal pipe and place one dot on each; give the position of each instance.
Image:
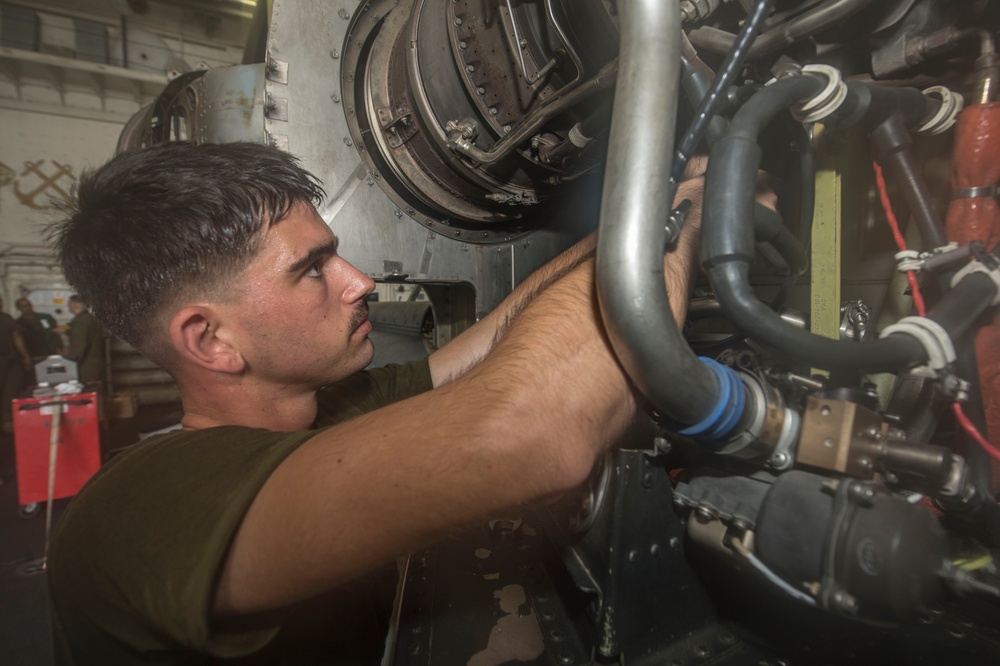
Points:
(636, 200)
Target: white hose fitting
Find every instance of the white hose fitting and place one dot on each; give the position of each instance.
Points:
(951, 105)
(827, 101)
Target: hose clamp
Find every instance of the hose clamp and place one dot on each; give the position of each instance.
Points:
(728, 409)
(947, 114)
(908, 260)
(984, 192)
(931, 336)
(827, 101)
(976, 266)
(939, 257)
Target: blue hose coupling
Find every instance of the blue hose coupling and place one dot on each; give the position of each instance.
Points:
(728, 409)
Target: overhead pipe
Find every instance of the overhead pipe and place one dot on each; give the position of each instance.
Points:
(637, 193)
(789, 32)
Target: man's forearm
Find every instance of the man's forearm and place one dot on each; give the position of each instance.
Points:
(527, 421)
(680, 261)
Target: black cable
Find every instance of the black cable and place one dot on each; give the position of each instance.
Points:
(731, 66)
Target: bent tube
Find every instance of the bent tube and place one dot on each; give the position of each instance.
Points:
(630, 281)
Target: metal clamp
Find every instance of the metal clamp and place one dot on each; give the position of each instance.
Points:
(931, 336)
(947, 114)
(983, 192)
(827, 101)
(939, 257)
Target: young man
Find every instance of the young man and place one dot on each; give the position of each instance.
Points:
(297, 474)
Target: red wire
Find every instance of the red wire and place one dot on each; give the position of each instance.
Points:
(911, 276)
(918, 303)
(970, 428)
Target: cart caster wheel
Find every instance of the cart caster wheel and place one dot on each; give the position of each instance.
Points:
(29, 510)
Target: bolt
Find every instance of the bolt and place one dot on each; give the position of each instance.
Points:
(825, 410)
(398, 213)
(675, 543)
(371, 181)
(647, 480)
(865, 463)
(348, 142)
(506, 128)
(654, 550)
(556, 635)
(481, 90)
(702, 650)
(779, 459)
(336, 99)
(493, 111)
(828, 443)
(462, 45)
(344, 14)
(334, 54)
(470, 69)
(633, 556)
(727, 638)
(458, 21)
(565, 658)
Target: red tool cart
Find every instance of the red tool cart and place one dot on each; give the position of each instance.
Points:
(77, 444)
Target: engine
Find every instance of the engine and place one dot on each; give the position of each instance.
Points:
(815, 480)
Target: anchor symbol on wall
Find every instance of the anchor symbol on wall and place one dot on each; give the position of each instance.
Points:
(47, 182)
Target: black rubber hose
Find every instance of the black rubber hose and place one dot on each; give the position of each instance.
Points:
(732, 171)
(892, 146)
(727, 250)
(958, 310)
(696, 81)
(731, 66)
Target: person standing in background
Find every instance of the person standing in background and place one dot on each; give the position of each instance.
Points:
(38, 330)
(14, 357)
(86, 341)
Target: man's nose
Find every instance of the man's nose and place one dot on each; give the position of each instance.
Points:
(359, 285)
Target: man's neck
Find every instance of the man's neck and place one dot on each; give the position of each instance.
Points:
(272, 409)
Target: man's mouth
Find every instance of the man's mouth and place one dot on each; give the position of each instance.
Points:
(360, 316)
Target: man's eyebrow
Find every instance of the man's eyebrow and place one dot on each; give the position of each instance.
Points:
(319, 252)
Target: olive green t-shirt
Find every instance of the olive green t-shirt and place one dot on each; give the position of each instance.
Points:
(134, 561)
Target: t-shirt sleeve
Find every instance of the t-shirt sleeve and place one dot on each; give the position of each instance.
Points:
(139, 550)
(370, 390)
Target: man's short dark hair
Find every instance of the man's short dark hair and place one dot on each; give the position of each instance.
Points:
(172, 220)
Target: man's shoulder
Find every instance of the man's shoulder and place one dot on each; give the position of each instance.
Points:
(137, 551)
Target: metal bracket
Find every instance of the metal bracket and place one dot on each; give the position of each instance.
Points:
(276, 70)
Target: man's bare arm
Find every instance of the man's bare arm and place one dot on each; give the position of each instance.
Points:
(527, 421)
(472, 345)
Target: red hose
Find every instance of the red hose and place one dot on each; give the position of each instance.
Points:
(976, 163)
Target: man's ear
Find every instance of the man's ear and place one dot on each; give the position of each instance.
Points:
(195, 335)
